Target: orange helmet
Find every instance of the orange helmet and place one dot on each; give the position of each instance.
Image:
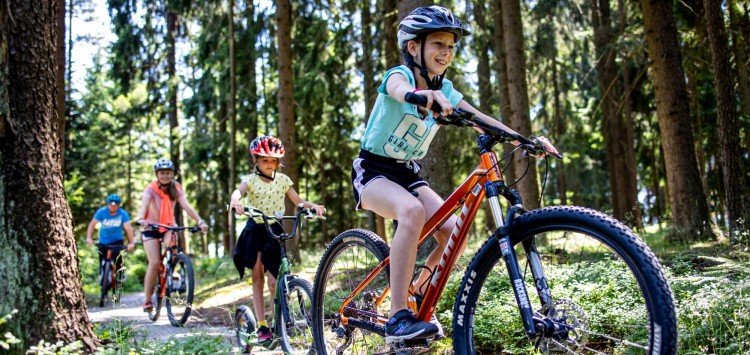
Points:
(267, 146)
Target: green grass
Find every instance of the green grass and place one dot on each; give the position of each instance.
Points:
(710, 281)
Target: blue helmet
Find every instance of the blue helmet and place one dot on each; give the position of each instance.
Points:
(114, 199)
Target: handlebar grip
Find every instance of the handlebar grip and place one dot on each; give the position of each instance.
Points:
(421, 101)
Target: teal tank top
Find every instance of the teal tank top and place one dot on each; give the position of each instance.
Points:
(397, 130)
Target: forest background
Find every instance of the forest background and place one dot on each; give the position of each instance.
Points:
(649, 101)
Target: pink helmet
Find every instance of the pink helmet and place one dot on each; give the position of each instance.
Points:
(267, 146)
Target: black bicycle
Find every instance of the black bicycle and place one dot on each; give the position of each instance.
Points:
(176, 284)
(292, 326)
(110, 277)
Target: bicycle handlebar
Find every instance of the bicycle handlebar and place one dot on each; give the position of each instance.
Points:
(462, 118)
(254, 212)
(169, 228)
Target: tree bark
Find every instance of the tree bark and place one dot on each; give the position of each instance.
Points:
(519, 99)
(501, 70)
(740, 25)
(729, 132)
(690, 219)
(391, 18)
(232, 121)
(60, 80)
(619, 148)
(287, 117)
(37, 244)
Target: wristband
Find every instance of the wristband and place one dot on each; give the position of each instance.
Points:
(201, 221)
(416, 89)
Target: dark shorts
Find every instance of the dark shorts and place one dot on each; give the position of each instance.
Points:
(255, 239)
(116, 247)
(369, 167)
(152, 234)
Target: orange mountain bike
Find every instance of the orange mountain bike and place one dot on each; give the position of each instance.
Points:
(176, 283)
(597, 288)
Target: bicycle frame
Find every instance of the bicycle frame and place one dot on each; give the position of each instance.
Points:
(165, 279)
(486, 179)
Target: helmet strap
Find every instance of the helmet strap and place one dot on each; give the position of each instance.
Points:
(436, 83)
(260, 173)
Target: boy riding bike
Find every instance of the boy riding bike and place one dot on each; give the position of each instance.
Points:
(255, 249)
(385, 176)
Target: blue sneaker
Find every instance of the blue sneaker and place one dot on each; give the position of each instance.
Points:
(404, 326)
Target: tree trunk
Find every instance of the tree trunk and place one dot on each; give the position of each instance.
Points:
(391, 18)
(519, 99)
(729, 132)
(619, 148)
(690, 219)
(174, 124)
(60, 80)
(740, 25)
(368, 72)
(287, 118)
(232, 122)
(501, 69)
(37, 243)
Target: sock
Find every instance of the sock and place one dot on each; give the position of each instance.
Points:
(263, 323)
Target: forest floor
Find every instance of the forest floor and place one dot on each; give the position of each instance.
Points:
(213, 315)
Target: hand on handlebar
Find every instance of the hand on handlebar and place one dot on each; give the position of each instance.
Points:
(320, 210)
(236, 207)
(436, 102)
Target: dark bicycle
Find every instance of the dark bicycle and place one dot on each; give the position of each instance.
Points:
(110, 277)
(292, 326)
(176, 284)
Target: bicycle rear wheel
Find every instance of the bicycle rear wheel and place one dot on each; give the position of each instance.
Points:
(105, 281)
(179, 300)
(296, 332)
(349, 258)
(244, 328)
(608, 292)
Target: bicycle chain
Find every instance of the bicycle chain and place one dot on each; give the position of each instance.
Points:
(416, 350)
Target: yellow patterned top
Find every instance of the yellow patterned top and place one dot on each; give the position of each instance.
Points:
(267, 196)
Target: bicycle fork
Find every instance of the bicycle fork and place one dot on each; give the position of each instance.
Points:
(532, 325)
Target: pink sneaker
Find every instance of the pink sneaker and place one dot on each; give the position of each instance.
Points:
(264, 334)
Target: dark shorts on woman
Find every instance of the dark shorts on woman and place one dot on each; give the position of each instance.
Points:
(255, 239)
(152, 234)
(369, 167)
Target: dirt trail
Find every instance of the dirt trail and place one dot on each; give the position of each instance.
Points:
(210, 319)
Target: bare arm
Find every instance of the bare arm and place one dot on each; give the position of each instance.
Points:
(90, 230)
(145, 201)
(235, 202)
(296, 199)
(397, 87)
(191, 212)
(129, 231)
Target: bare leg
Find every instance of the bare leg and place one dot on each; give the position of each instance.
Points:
(271, 281)
(258, 280)
(390, 200)
(432, 202)
(153, 253)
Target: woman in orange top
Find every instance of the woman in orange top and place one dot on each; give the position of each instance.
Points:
(157, 206)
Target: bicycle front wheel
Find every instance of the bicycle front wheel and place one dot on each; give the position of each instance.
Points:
(106, 278)
(607, 292)
(349, 258)
(179, 300)
(296, 332)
